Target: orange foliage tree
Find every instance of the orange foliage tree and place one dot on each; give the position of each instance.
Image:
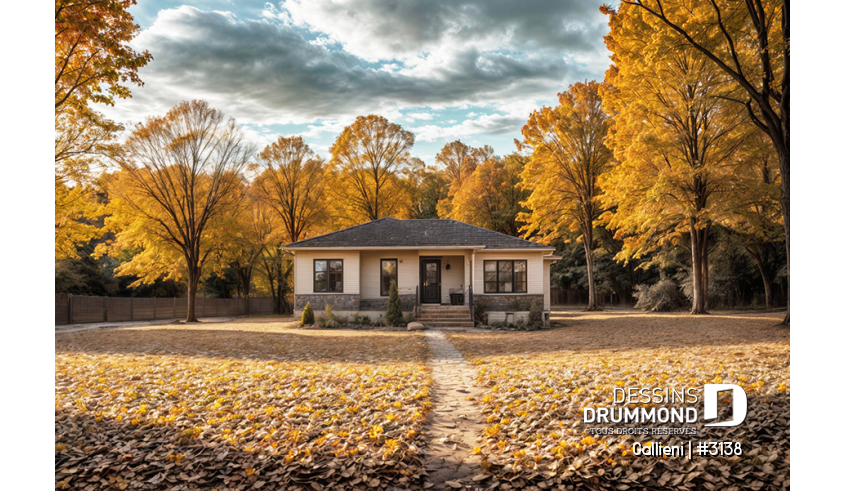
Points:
(177, 192)
(676, 137)
(749, 43)
(491, 197)
(569, 156)
(367, 158)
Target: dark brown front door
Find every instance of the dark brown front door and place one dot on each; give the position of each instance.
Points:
(430, 280)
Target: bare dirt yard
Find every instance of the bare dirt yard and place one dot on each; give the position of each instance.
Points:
(252, 404)
(537, 384)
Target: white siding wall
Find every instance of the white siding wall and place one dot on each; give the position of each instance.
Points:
(547, 285)
(535, 269)
(408, 274)
(452, 277)
(304, 270)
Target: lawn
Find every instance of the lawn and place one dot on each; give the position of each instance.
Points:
(536, 384)
(260, 404)
(242, 405)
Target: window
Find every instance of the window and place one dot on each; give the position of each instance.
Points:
(505, 276)
(388, 273)
(328, 275)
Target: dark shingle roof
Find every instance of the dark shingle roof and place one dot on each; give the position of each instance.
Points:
(430, 232)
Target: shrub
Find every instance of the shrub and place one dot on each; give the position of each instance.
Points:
(535, 316)
(329, 314)
(478, 309)
(663, 296)
(394, 306)
(307, 315)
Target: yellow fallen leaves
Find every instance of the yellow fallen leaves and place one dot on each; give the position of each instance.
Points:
(203, 422)
(533, 405)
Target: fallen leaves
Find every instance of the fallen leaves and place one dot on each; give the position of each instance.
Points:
(135, 421)
(533, 403)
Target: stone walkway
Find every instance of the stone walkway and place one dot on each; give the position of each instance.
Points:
(454, 426)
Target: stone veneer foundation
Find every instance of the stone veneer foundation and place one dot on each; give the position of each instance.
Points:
(338, 301)
(499, 303)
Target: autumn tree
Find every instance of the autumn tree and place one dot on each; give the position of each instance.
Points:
(275, 268)
(569, 156)
(753, 208)
(178, 184)
(293, 183)
(675, 136)
(255, 227)
(458, 161)
(366, 158)
(749, 43)
(425, 187)
(93, 63)
(492, 196)
(94, 59)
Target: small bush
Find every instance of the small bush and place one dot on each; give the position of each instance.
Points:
(535, 316)
(663, 296)
(394, 306)
(307, 315)
(478, 309)
(329, 314)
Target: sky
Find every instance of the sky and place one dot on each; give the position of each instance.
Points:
(442, 69)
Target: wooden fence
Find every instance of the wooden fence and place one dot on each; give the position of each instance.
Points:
(563, 296)
(74, 309)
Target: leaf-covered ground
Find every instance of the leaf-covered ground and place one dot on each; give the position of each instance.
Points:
(535, 435)
(244, 405)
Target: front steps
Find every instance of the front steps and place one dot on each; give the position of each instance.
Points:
(444, 315)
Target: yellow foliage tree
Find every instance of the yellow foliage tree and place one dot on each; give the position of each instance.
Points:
(676, 137)
(491, 197)
(177, 192)
(749, 43)
(293, 183)
(367, 158)
(458, 162)
(569, 156)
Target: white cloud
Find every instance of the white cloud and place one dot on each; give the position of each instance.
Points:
(495, 124)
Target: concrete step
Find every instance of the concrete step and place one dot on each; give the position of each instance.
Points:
(449, 324)
(444, 321)
(444, 307)
(444, 314)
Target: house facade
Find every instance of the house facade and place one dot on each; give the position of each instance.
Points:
(440, 266)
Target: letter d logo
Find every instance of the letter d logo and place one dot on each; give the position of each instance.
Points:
(711, 403)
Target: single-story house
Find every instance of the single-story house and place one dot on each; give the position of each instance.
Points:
(440, 266)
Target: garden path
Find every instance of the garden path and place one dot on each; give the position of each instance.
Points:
(454, 426)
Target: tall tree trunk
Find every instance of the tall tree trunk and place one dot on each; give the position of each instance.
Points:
(757, 254)
(592, 303)
(783, 157)
(698, 241)
(193, 282)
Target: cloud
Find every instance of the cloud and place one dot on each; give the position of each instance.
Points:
(275, 70)
(490, 124)
(387, 29)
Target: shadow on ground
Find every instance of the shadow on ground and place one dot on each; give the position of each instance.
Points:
(253, 341)
(629, 330)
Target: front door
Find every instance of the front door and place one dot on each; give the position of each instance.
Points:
(430, 280)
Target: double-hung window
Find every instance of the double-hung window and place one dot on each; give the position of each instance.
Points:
(328, 275)
(505, 276)
(389, 268)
